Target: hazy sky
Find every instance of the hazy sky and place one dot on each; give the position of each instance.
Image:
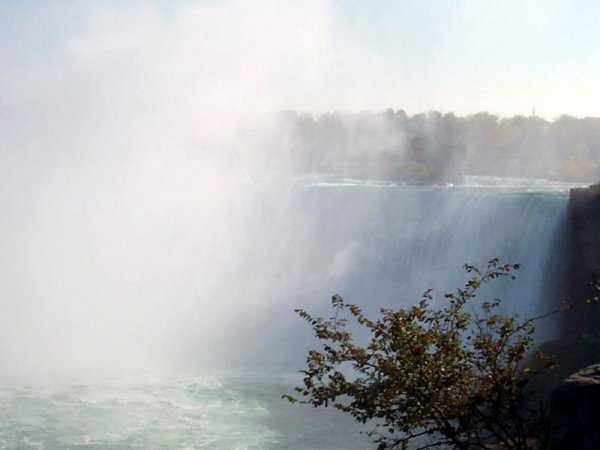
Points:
(465, 56)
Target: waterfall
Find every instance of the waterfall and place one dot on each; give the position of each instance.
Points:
(383, 246)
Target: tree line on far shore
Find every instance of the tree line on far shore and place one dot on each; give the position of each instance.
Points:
(439, 148)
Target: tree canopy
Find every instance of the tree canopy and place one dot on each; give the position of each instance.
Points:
(433, 377)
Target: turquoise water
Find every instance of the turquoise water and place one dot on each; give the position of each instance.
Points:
(177, 414)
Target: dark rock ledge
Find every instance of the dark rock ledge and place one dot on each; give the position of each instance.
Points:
(575, 413)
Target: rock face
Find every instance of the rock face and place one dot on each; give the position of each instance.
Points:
(578, 342)
(575, 411)
(584, 235)
(583, 258)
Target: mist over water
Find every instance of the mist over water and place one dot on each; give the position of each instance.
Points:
(126, 147)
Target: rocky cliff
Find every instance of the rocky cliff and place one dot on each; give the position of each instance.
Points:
(575, 402)
(583, 259)
(577, 344)
(584, 238)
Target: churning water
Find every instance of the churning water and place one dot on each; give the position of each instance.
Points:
(158, 414)
(377, 244)
(177, 414)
